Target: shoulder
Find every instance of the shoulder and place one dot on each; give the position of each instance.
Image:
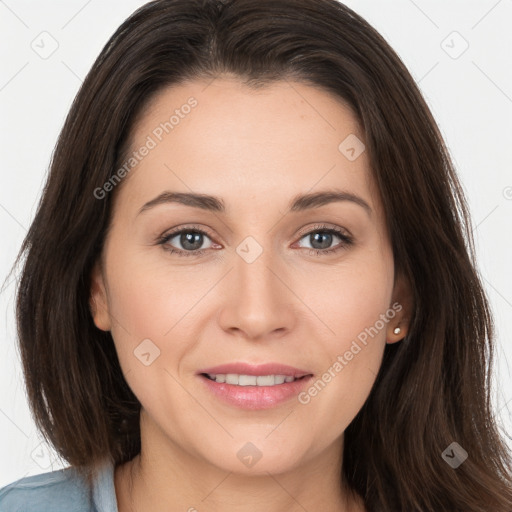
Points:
(63, 490)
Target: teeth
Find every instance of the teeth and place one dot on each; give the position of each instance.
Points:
(251, 380)
(231, 378)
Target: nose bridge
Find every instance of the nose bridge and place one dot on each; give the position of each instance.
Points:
(259, 302)
(252, 270)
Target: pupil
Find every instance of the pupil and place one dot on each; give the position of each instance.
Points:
(319, 235)
(188, 238)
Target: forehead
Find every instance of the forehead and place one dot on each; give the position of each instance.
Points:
(226, 139)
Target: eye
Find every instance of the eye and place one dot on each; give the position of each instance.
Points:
(321, 238)
(191, 240)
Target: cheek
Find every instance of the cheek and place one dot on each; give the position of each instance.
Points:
(351, 297)
(145, 302)
(149, 295)
(355, 305)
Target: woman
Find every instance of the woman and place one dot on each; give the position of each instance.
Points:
(250, 282)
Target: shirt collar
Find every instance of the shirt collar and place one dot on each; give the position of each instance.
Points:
(104, 493)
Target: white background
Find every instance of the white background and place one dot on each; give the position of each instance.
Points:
(470, 96)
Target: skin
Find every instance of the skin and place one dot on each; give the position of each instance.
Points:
(255, 150)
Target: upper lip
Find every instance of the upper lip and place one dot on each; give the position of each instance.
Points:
(256, 369)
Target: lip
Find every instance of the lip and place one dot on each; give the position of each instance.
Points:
(258, 370)
(255, 397)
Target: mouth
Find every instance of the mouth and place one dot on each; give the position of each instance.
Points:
(254, 387)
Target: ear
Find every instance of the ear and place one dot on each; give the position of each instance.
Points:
(98, 300)
(402, 304)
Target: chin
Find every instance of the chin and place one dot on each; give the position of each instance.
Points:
(257, 457)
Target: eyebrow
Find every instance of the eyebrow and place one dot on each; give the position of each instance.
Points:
(299, 203)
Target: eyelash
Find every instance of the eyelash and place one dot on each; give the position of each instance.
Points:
(346, 240)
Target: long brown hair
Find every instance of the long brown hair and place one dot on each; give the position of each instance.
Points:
(433, 388)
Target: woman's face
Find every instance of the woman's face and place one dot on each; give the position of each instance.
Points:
(267, 284)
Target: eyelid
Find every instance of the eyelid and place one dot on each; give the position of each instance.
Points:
(187, 227)
(324, 227)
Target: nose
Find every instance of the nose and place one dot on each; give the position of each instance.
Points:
(257, 303)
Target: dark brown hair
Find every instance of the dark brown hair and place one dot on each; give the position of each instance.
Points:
(433, 388)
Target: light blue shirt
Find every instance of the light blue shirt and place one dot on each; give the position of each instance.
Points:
(63, 490)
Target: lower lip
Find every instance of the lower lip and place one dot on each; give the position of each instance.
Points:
(255, 397)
